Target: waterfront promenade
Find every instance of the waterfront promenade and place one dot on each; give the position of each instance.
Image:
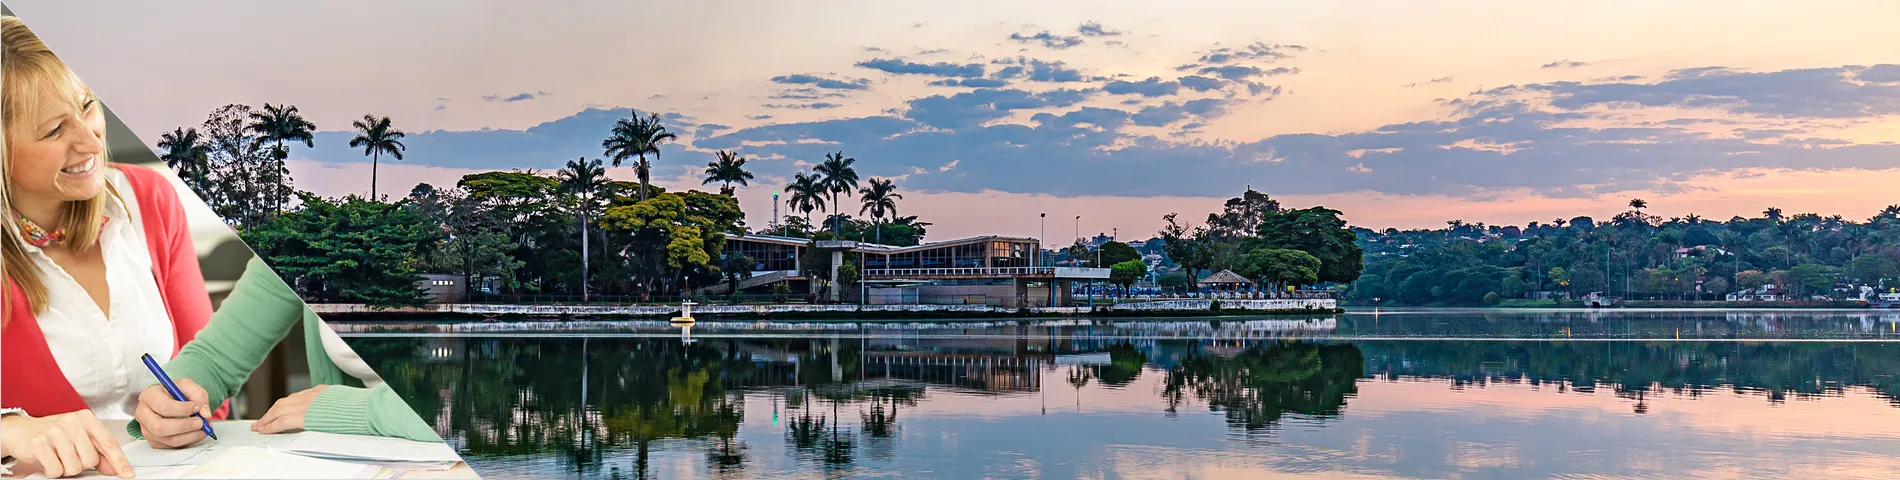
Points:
(345, 311)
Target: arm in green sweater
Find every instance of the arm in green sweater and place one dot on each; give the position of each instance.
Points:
(258, 313)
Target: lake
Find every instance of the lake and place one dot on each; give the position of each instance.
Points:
(1420, 393)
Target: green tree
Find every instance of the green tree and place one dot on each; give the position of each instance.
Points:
(807, 194)
(376, 137)
(582, 180)
(1277, 267)
(1126, 273)
(836, 175)
(636, 137)
(1321, 233)
(728, 169)
(237, 162)
(279, 124)
(1111, 253)
(187, 153)
(880, 200)
(349, 250)
(1812, 279)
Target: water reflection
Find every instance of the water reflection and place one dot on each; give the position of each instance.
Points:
(1069, 402)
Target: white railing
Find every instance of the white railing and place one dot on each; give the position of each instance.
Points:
(959, 272)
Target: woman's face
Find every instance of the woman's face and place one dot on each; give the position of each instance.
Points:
(57, 155)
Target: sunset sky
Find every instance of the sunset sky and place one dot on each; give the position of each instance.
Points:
(1400, 113)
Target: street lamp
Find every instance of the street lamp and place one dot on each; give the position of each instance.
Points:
(1042, 235)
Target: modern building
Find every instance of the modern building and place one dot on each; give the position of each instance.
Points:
(989, 270)
(441, 287)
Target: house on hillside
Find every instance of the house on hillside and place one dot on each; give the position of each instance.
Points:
(1764, 293)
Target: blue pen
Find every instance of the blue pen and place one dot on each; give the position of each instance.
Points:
(172, 388)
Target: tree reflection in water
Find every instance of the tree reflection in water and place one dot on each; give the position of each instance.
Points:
(574, 401)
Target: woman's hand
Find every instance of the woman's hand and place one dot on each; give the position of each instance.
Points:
(287, 413)
(168, 423)
(63, 445)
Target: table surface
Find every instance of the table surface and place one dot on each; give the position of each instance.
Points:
(460, 470)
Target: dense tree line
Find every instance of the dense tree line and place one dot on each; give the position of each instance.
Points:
(573, 231)
(1632, 255)
(1254, 236)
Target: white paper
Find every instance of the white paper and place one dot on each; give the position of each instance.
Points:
(142, 454)
(256, 462)
(368, 448)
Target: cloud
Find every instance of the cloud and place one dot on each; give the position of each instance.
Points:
(970, 82)
(710, 129)
(1241, 72)
(1038, 71)
(821, 82)
(1796, 93)
(1256, 51)
(1887, 73)
(1152, 87)
(1566, 63)
(1517, 140)
(1094, 29)
(758, 117)
(1047, 39)
(1105, 118)
(805, 93)
(1435, 80)
(1200, 84)
(804, 106)
(984, 105)
(519, 97)
(949, 166)
(938, 69)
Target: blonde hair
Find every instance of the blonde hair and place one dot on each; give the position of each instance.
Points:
(27, 70)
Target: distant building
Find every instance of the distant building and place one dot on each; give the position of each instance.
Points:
(442, 287)
(1764, 293)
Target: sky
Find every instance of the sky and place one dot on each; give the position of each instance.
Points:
(1401, 114)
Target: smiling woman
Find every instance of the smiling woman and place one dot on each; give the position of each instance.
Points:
(99, 269)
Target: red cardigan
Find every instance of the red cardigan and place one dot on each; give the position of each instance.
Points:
(29, 377)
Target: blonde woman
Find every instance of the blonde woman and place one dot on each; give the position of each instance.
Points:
(99, 269)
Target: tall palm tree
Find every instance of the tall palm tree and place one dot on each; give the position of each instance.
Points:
(187, 153)
(837, 176)
(1773, 215)
(584, 179)
(636, 137)
(280, 123)
(729, 169)
(1639, 204)
(807, 193)
(880, 199)
(377, 137)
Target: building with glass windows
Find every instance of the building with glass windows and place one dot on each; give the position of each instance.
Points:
(995, 270)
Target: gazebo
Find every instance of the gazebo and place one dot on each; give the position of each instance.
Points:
(1226, 281)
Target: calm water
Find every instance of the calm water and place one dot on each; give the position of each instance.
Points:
(1401, 394)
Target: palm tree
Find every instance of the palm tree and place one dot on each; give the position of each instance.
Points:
(635, 137)
(1773, 214)
(377, 137)
(807, 194)
(1638, 204)
(837, 176)
(187, 153)
(880, 199)
(729, 169)
(280, 123)
(584, 179)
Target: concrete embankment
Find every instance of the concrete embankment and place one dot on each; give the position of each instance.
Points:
(1163, 308)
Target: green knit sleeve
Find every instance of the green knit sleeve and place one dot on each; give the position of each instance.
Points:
(366, 411)
(258, 313)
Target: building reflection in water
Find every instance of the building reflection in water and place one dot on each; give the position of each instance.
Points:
(601, 406)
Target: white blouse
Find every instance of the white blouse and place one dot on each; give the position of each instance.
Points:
(100, 354)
